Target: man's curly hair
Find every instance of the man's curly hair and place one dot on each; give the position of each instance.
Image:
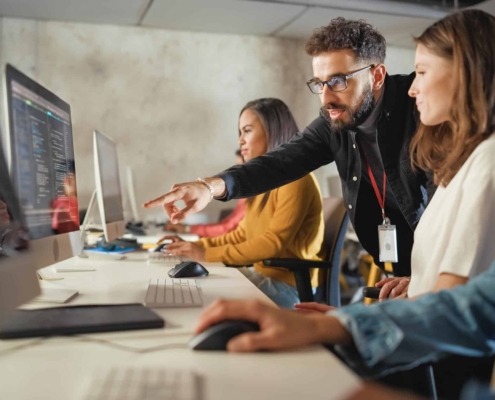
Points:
(342, 34)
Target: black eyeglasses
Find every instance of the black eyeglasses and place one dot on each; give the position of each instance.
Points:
(335, 84)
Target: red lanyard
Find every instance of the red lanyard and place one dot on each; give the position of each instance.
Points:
(381, 200)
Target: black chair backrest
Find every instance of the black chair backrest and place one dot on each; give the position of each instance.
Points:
(225, 213)
(336, 221)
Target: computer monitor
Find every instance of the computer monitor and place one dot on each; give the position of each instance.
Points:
(40, 154)
(108, 189)
(18, 282)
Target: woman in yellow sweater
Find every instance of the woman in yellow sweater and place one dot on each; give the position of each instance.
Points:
(284, 223)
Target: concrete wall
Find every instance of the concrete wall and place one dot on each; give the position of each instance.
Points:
(170, 99)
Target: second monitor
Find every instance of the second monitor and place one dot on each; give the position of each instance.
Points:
(108, 189)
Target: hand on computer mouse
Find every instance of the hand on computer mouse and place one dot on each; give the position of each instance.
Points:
(279, 329)
(193, 251)
(173, 238)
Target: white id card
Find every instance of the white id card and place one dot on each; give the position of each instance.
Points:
(387, 240)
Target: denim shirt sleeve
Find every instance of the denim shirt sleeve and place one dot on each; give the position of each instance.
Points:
(477, 391)
(400, 334)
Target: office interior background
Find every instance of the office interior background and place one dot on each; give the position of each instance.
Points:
(167, 78)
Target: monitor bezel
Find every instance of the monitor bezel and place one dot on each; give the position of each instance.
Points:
(56, 248)
(116, 229)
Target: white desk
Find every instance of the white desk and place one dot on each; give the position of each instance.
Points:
(153, 235)
(62, 368)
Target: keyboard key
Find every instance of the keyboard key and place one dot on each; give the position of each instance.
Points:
(178, 293)
(187, 295)
(151, 294)
(160, 291)
(169, 292)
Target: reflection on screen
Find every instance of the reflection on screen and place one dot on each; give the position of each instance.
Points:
(13, 233)
(110, 181)
(43, 163)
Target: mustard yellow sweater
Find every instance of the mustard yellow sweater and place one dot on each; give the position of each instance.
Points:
(290, 225)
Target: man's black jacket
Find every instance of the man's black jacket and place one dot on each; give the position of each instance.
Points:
(317, 145)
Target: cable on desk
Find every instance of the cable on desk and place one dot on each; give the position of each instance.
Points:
(22, 346)
(104, 342)
(132, 349)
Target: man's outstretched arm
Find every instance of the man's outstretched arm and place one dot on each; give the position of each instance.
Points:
(306, 152)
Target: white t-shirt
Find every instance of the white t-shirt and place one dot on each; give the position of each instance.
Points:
(456, 233)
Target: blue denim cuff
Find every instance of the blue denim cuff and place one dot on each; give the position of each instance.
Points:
(477, 391)
(229, 184)
(375, 335)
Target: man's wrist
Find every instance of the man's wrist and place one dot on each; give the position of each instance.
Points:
(218, 185)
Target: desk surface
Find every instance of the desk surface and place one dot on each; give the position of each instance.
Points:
(62, 368)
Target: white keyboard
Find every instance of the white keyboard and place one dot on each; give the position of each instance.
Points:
(147, 384)
(160, 258)
(169, 293)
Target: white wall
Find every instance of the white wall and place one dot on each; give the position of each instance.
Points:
(170, 99)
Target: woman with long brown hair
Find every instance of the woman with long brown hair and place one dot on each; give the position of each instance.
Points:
(455, 95)
(284, 223)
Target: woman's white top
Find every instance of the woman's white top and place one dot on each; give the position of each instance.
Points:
(456, 233)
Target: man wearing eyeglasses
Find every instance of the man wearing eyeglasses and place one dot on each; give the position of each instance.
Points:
(365, 125)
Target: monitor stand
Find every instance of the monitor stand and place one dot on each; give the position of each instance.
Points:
(87, 224)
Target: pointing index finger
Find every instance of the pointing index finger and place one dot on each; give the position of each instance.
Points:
(169, 197)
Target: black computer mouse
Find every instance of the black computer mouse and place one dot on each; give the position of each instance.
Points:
(160, 247)
(188, 269)
(217, 336)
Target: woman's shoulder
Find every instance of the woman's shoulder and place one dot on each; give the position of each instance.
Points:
(484, 154)
(307, 183)
(479, 169)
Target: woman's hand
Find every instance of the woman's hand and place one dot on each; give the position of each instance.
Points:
(195, 194)
(172, 238)
(393, 288)
(279, 329)
(187, 249)
(179, 228)
(313, 307)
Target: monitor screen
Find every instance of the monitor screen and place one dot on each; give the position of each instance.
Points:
(107, 169)
(18, 281)
(42, 157)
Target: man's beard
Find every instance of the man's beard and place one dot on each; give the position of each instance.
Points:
(358, 116)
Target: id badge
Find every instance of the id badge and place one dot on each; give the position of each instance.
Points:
(387, 240)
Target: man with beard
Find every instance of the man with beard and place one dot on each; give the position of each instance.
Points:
(365, 125)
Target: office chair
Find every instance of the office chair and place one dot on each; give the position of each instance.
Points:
(224, 213)
(336, 221)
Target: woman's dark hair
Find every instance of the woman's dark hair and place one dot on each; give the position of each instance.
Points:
(276, 118)
(278, 123)
(467, 39)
